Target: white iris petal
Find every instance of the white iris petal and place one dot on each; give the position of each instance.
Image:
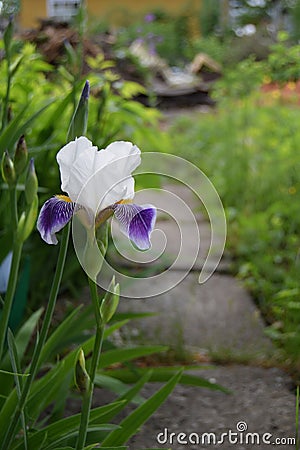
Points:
(98, 178)
(68, 155)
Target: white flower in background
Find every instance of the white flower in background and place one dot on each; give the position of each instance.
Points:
(100, 183)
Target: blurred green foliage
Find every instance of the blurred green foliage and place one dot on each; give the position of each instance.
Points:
(249, 148)
(284, 60)
(209, 17)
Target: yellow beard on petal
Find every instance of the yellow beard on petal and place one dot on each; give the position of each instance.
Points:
(65, 198)
(124, 202)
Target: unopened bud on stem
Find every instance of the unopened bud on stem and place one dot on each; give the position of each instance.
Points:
(21, 156)
(79, 120)
(82, 378)
(110, 302)
(31, 184)
(8, 169)
(8, 35)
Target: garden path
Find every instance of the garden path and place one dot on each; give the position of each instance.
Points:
(214, 322)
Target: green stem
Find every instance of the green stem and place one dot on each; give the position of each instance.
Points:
(35, 363)
(6, 100)
(88, 395)
(9, 296)
(14, 270)
(13, 207)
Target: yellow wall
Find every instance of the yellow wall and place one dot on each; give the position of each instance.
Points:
(31, 11)
(115, 11)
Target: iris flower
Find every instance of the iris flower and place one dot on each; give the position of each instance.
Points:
(99, 184)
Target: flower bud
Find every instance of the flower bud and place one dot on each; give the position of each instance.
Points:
(31, 184)
(8, 35)
(110, 302)
(82, 378)
(78, 123)
(21, 156)
(8, 169)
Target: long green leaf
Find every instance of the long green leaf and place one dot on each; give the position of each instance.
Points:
(15, 129)
(21, 340)
(127, 354)
(43, 439)
(58, 335)
(7, 134)
(114, 448)
(7, 411)
(25, 333)
(54, 118)
(47, 388)
(95, 434)
(140, 415)
(68, 425)
(129, 396)
(16, 374)
(114, 327)
(61, 397)
(162, 374)
(15, 362)
(65, 448)
(115, 385)
(47, 393)
(134, 315)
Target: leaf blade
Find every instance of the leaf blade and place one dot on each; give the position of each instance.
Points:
(141, 414)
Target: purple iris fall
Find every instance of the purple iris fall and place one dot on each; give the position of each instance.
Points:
(98, 184)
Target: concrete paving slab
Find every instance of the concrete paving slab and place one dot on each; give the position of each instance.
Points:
(218, 316)
(172, 200)
(261, 403)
